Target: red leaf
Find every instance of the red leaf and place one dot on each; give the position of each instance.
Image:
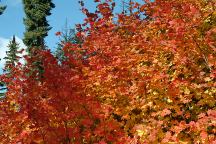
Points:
(165, 112)
(58, 33)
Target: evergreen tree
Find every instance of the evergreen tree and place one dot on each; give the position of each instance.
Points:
(36, 24)
(37, 28)
(12, 58)
(127, 6)
(2, 8)
(2, 90)
(68, 35)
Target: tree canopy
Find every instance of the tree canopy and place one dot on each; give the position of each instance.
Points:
(151, 79)
(36, 23)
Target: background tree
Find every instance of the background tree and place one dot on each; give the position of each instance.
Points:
(10, 61)
(70, 36)
(37, 28)
(12, 54)
(2, 8)
(67, 35)
(2, 90)
(36, 23)
(127, 6)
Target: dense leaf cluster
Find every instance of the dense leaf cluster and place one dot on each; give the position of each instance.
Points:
(151, 79)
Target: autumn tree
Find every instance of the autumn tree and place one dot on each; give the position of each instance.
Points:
(157, 74)
(152, 80)
(51, 113)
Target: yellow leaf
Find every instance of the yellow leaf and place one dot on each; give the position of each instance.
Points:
(207, 79)
(186, 91)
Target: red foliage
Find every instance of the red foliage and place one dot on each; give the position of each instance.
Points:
(151, 80)
(58, 33)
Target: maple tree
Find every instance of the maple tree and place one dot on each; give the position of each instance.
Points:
(157, 73)
(151, 79)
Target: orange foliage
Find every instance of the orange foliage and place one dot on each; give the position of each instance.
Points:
(152, 80)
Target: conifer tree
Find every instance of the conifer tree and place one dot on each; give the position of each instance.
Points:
(36, 23)
(68, 35)
(2, 8)
(127, 6)
(2, 90)
(37, 28)
(12, 58)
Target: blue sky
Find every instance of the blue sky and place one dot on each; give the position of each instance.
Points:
(11, 22)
